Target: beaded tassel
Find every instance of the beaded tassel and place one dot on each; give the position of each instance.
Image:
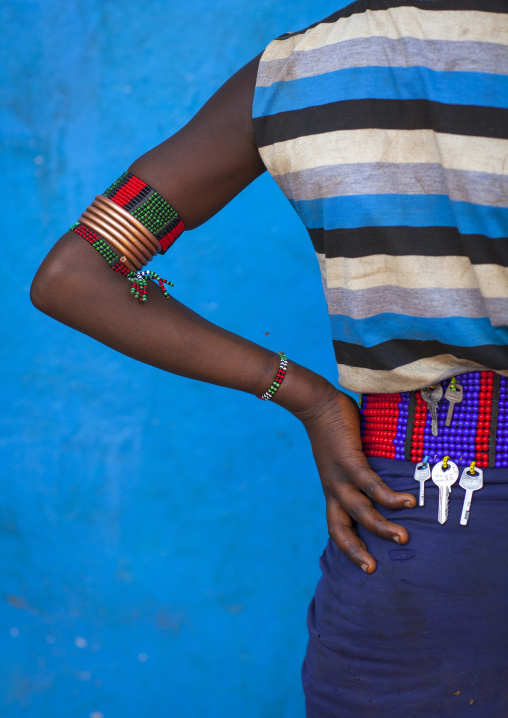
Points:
(161, 225)
(140, 284)
(139, 279)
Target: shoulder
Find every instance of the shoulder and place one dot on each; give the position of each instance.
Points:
(282, 47)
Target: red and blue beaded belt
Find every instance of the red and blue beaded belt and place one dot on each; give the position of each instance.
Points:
(464, 418)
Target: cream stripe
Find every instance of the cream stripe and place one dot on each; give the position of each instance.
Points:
(407, 377)
(457, 152)
(394, 23)
(416, 272)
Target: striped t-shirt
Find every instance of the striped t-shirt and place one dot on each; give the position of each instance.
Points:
(386, 126)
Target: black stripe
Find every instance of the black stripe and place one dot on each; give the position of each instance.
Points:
(139, 199)
(405, 241)
(437, 5)
(395, 353)
(167, 228)
(355, 8)
(383, 115)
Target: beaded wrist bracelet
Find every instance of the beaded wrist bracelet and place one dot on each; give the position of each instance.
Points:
(281, 373)
(135, 220)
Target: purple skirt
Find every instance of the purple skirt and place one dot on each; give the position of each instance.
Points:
(426, 635)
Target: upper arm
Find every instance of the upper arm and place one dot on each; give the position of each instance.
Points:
(198, 171)
(210, 160)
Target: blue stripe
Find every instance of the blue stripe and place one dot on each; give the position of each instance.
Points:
(458, 331)
(402, 210)
(391, 83)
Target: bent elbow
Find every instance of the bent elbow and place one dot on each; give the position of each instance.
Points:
(49, 291)
(38, 291)
(44, 288)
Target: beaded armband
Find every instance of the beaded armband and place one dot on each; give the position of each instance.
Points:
(136, 221)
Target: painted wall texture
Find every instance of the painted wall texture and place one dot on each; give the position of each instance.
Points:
(159, 538)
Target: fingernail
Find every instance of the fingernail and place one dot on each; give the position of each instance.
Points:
(365, 567)
(396, 539)
(408, 505)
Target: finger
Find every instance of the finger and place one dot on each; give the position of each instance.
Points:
(375, 488)
(344, 534)
(361, 510)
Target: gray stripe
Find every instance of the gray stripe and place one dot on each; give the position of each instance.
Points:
(433, 303)
(393, 178)
(443, 56)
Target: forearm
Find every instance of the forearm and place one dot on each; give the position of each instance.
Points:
(198, 171)
(76, 286)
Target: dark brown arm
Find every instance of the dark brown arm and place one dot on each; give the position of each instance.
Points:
(199, 170)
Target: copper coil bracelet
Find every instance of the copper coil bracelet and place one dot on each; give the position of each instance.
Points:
(123, 231)
(131, 223)
(131, 218)
(139, 280)
(128, 256)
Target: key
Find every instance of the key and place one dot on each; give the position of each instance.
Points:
(471, 480)
(432, 397)
(453, 397)
(444, 475)
(422, 473)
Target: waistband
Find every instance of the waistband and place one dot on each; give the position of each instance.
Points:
(399, 426)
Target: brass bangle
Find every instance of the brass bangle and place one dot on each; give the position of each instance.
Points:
(125, 226)
(109, 231)
(113, 239)
(130, 223)
(130, 260)
(127, 239)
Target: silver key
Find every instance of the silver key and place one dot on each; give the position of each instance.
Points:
(422, 473)
(453, 396)
(432, 397)
(444, 476)
(470, 482)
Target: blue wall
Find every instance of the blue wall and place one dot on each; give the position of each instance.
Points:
(158, 537)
